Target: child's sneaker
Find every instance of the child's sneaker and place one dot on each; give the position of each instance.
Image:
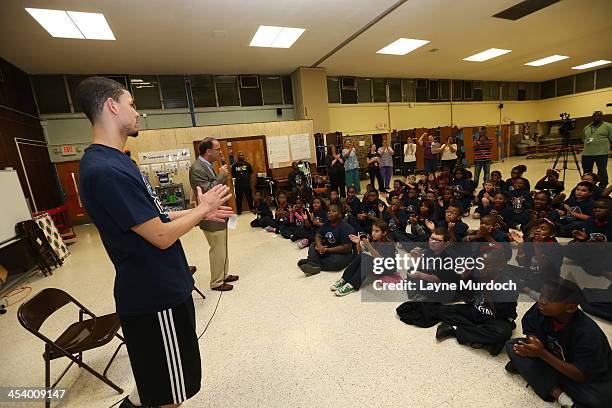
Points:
(303, 243)
(346, 289)
(339, 283)
(270, 229)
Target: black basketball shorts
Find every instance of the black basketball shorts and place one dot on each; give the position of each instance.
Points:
(164, 354)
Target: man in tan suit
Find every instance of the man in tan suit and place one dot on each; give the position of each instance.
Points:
(202, 174)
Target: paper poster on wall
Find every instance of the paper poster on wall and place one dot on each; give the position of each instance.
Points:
(300, 146)
(157, 167)
(278, 148)
(184, 165)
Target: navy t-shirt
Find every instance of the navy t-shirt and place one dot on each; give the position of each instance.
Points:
(333, 235)
(262, 209)
(118, 198)
(581, 206)
(580, 342)
(397, 222)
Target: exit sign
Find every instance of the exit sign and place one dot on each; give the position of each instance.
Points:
(68, 151)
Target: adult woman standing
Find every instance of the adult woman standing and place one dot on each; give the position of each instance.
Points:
(482, 156)
(374, 168)
(449, 154)
(335, 170)
(386, 162)
(409, 157)
(430, 154)
(351, 166)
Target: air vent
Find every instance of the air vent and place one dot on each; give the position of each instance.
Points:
(249, 81)
(524, 8)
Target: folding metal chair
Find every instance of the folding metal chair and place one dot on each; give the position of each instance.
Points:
(193, 270)
(80, 336)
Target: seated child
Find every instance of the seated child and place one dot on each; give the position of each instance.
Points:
(496, 178)
(499, 208)
(565, 356)
(590, 248)
(297, 220)
(488, 231)
(551, 185)
(352, 208)
(486, 320)
(447, 196)
(592, 178)
(576, 209)
(463, 189)
(332, 248)
(281, 214)
(370, 211)
(517, 173)
(419, 232)
(380, 246)
(520, 200)
(334, 198)
(398, 191)
(262, 211)
(395, 217)
(457, 229)
(540, 257)
(542, 208)
(411, 200)
(485, 197)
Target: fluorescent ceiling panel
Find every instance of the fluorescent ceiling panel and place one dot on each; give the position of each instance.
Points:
(93, 25)
(592, 64)
(547, 60)
(276, 37)
(56, 22)
(73, 24)
(487, 55)
(402, 46)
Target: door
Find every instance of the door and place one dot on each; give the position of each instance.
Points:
(254, 149)
(68, 174)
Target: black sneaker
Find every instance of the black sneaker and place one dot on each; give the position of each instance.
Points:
(495, 349)
(302, 262)
(444, 330)
(309, 269)
(511, 368)
(126, 403)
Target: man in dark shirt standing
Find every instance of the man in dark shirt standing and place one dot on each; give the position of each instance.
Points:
(152, 283)
(242, 171)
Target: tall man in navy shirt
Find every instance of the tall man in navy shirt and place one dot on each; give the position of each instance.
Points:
(152, 282)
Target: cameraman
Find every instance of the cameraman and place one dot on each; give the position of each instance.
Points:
(597, 138)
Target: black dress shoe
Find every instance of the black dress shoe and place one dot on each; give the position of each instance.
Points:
(511, 368)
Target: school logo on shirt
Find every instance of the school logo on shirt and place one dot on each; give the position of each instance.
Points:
(535, 267)
(575, 209)
(598, 237)
(298, 179)
(481, 305)
(410, 208)
(392, 225)
(457, 191)
(517, 204)
(372, 213)
(154, 196)
(329, 237)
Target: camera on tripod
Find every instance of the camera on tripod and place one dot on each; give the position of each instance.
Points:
(567, 124)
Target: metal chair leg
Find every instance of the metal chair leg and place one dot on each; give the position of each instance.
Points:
(199, 292)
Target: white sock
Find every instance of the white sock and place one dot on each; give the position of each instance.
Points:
(134, 397)
(564, 400)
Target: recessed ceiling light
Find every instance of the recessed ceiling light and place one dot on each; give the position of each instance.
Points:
(93, 25)
(592, 64)
(402, 46)
(56, 22)
(547, 60)
(275, 37)
(73, 24)
(487, 55)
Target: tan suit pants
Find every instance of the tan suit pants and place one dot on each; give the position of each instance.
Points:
(219, 259)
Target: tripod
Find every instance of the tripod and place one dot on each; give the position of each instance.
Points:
(564, 151)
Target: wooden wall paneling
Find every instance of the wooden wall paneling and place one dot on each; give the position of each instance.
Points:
(492, 133)
(445, 133)
(468, 144)
(420, 153)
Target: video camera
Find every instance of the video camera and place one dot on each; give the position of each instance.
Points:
(567, 124)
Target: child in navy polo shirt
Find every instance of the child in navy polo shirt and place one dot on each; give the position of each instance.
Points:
(463, 189)
(281, 214)
(457, 229)
(395, 217)
(334, 198)
(576, 209)
(515, 174)
(496, 178)
(370, 211)
(411, 201)
(485, 197)
(262, 211)
(539, 255)
(565, 356)
(332, 248)
(542, 208)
